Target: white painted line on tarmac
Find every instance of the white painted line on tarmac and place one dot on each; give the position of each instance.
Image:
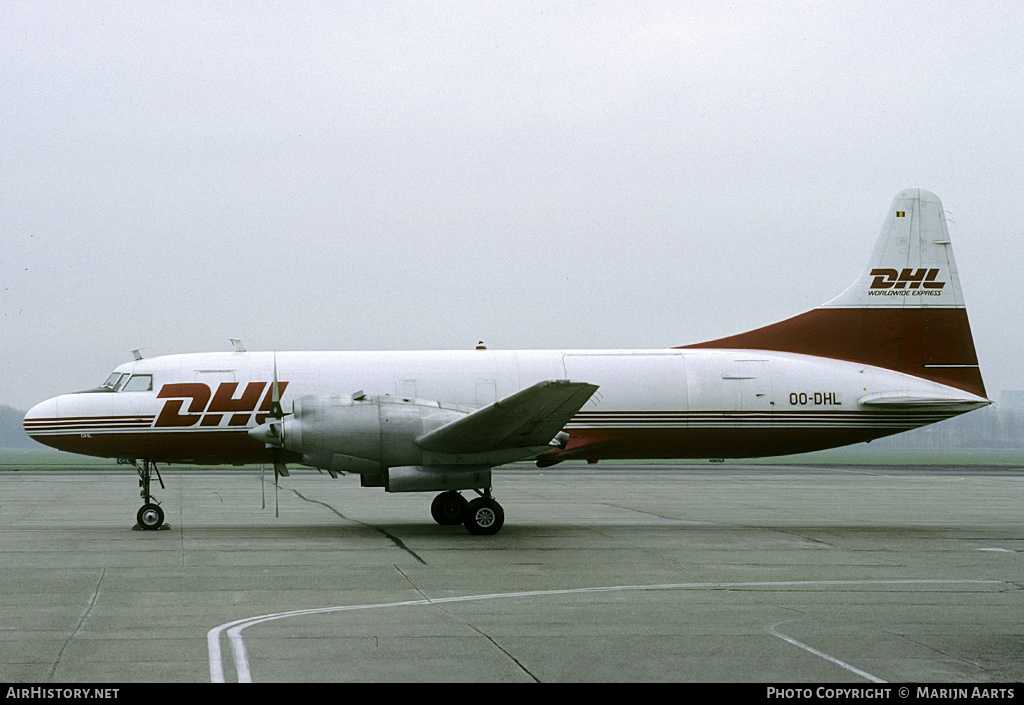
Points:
(833, 659)
(241, 660)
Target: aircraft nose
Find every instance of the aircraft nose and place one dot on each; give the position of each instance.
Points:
(41, 419)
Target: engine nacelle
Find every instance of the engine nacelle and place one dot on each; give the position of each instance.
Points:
(362, 434)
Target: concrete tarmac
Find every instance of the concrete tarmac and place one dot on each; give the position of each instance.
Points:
(718, 573)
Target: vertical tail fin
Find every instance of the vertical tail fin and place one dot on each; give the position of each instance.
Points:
(905, 312)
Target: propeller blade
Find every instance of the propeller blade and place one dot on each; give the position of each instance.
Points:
(275, 395)
(272, 434)
(277, 429)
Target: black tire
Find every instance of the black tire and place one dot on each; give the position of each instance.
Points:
(448, 508)
(484, 517)
(150, 517)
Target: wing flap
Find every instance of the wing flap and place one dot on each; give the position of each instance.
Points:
(529, 417)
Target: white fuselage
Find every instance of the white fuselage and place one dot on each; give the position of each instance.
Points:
(682, 403)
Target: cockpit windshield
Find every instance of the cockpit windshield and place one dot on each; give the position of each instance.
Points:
(122, 381)
(116, 380)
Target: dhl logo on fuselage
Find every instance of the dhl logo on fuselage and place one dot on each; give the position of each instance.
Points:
(208, 408)
(889, 282)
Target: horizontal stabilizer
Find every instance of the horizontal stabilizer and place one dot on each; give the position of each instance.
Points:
(917, 399)
(530, 417)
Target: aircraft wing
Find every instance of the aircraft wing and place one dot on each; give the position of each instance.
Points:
(529, 417)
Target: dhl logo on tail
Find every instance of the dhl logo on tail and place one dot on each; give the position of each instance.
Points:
(890, 282)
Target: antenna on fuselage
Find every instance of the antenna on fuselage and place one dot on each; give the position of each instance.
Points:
(237, 344)
(137, 353)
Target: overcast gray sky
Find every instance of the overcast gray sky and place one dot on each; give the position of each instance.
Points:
(377, 175)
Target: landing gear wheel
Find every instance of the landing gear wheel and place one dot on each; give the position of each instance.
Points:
(150, 517)
(484, 517)
(448, 508)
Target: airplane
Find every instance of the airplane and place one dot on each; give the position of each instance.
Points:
(893, 352)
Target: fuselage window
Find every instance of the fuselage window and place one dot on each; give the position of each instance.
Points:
(139, 383)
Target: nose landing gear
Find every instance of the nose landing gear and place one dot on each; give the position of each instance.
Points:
(150, 517)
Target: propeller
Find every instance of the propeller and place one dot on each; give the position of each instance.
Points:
(274, 438)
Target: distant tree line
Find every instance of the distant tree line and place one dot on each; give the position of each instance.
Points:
(992, 428)
(12, 433)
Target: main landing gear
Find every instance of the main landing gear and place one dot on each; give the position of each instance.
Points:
(150, 516)
(482, 516)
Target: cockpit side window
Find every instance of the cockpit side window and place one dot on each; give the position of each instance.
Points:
(139, 383)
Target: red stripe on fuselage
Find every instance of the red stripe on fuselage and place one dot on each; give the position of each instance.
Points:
(228, 447)
(696, 443)
(931, 343)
